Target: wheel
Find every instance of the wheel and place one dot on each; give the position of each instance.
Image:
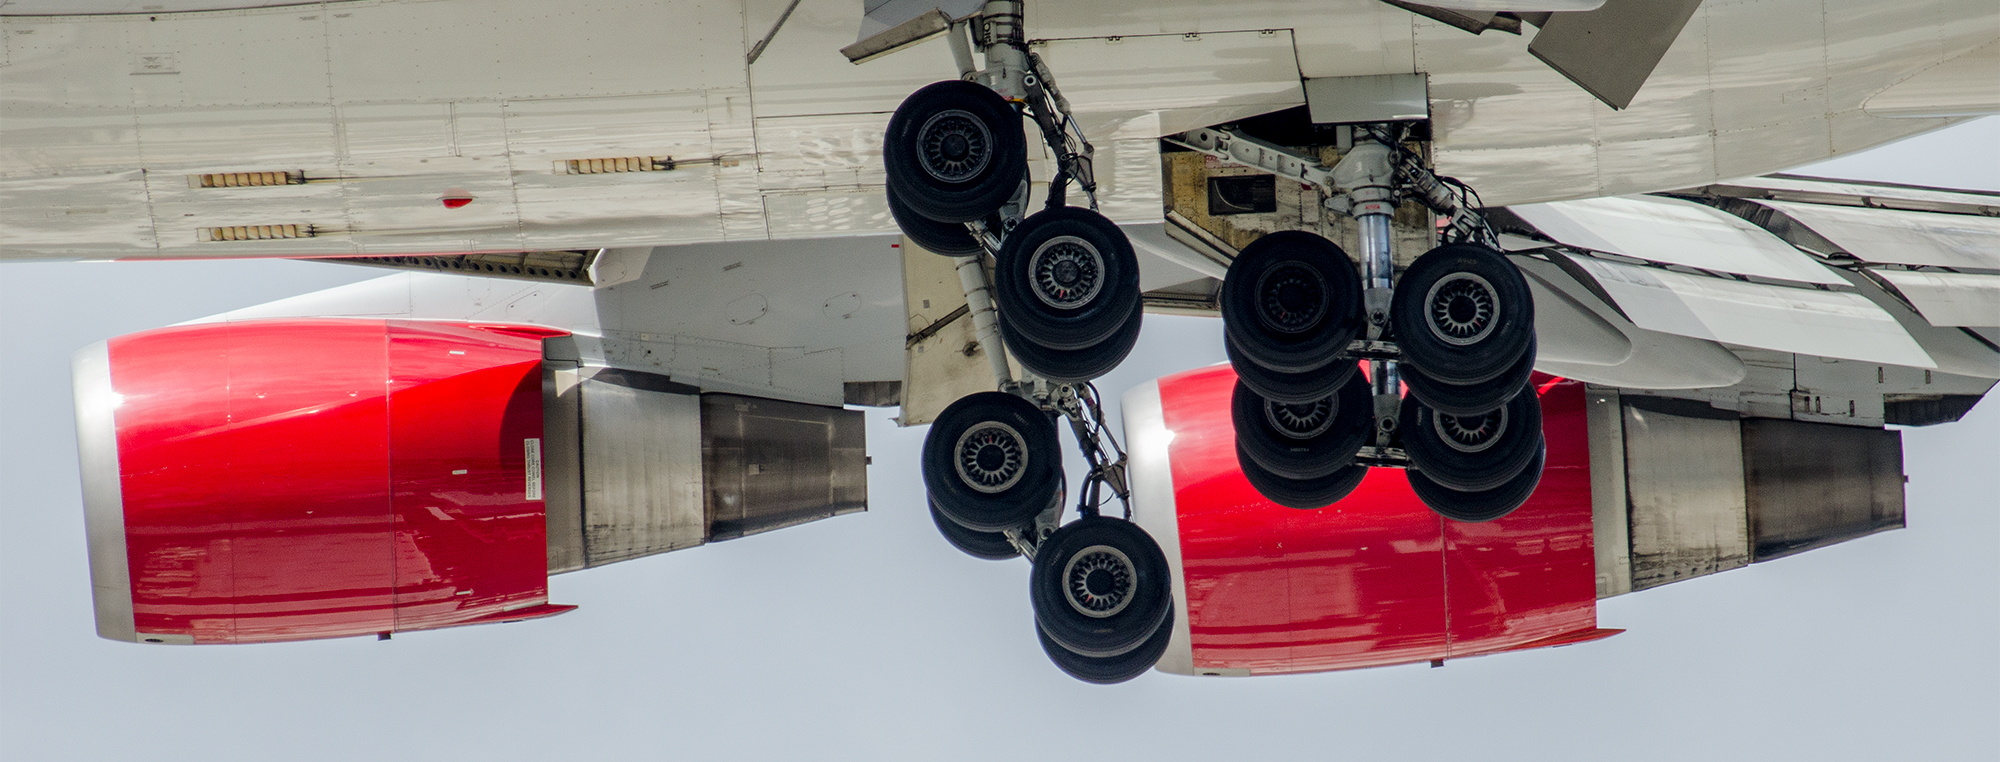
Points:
(1099, 586)
(1486, 505)
(1291, 301)
(950, 239)
(954, 151)
(1462, 314)
(1066, 278)
(991, 461)
(1476, 398)
(1472, 453)
(992, 546)
(1073, 365)
(1303, 441)
(1114, 669)
(1287, 387)
(1303, 494)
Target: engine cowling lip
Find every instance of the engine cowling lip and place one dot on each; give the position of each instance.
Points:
(103, 493)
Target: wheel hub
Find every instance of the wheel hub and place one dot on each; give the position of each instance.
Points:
(1291, 298)
(1099, 580)
(1066, 272)
(1463, 309)
(991, 457)
(1302, 421)
(954, 146)
(1470, 433)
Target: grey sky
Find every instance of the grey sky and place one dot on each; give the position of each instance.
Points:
(866, 637)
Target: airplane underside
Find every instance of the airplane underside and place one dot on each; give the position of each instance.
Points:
(1479, 377)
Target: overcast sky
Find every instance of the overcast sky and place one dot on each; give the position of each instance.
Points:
(866, 637)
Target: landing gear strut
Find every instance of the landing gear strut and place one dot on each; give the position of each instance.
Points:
(1063, 300)
(1457, 328)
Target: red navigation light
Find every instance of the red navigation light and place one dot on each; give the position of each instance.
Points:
(454, 198)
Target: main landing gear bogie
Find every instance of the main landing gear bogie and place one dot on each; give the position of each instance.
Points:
(1456, 328)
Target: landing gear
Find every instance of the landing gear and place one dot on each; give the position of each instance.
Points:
(1463, 315)
(1473, 453)
(1100, 587)
(1302, 440)
(1063, 299)
(1457, 327)
(955, 151)
(1291, 303)
(991, 462)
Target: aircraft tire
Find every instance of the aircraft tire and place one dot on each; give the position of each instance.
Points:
(1485, 505)
(1462, 314)
(1303, 494)
(1452, 399)
(1303, 441)
(1294, 388)
(991, 546)
(1292, 301)
(1066, 278)
(1114, 669)
(952, 151)
(1473, 453)
(992, 461)
(1074, 366)
(949, 239)
(1100, 586)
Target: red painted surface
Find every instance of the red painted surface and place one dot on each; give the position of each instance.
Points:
(1377, 578)
(298, 479)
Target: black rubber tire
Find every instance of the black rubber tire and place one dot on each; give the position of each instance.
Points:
(1476, 398)
(1496, 347)
(1115, 669)
(991, 546)
(1040, 476)
(1044, 242)
(1323, 452)
(1148, 598)
(1518, 439)
(950, 239)
(1303, 494)
(1287, 387)
(1322, 320)
(1074, 366)
(1487, 505)
(982, 189)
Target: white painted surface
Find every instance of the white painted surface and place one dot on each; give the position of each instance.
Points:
(1677, 232)
(1824, 323)
(1890, 236)
(1949, 299)
(405, 100)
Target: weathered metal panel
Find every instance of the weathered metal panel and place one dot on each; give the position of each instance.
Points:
(768, 464)
(1610, 518)
(642, 474)
(1810, 485)
(562, 464)
(1684, 485)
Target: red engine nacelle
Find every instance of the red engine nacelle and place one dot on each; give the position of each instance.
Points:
(1374, 579)
(295, 479)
